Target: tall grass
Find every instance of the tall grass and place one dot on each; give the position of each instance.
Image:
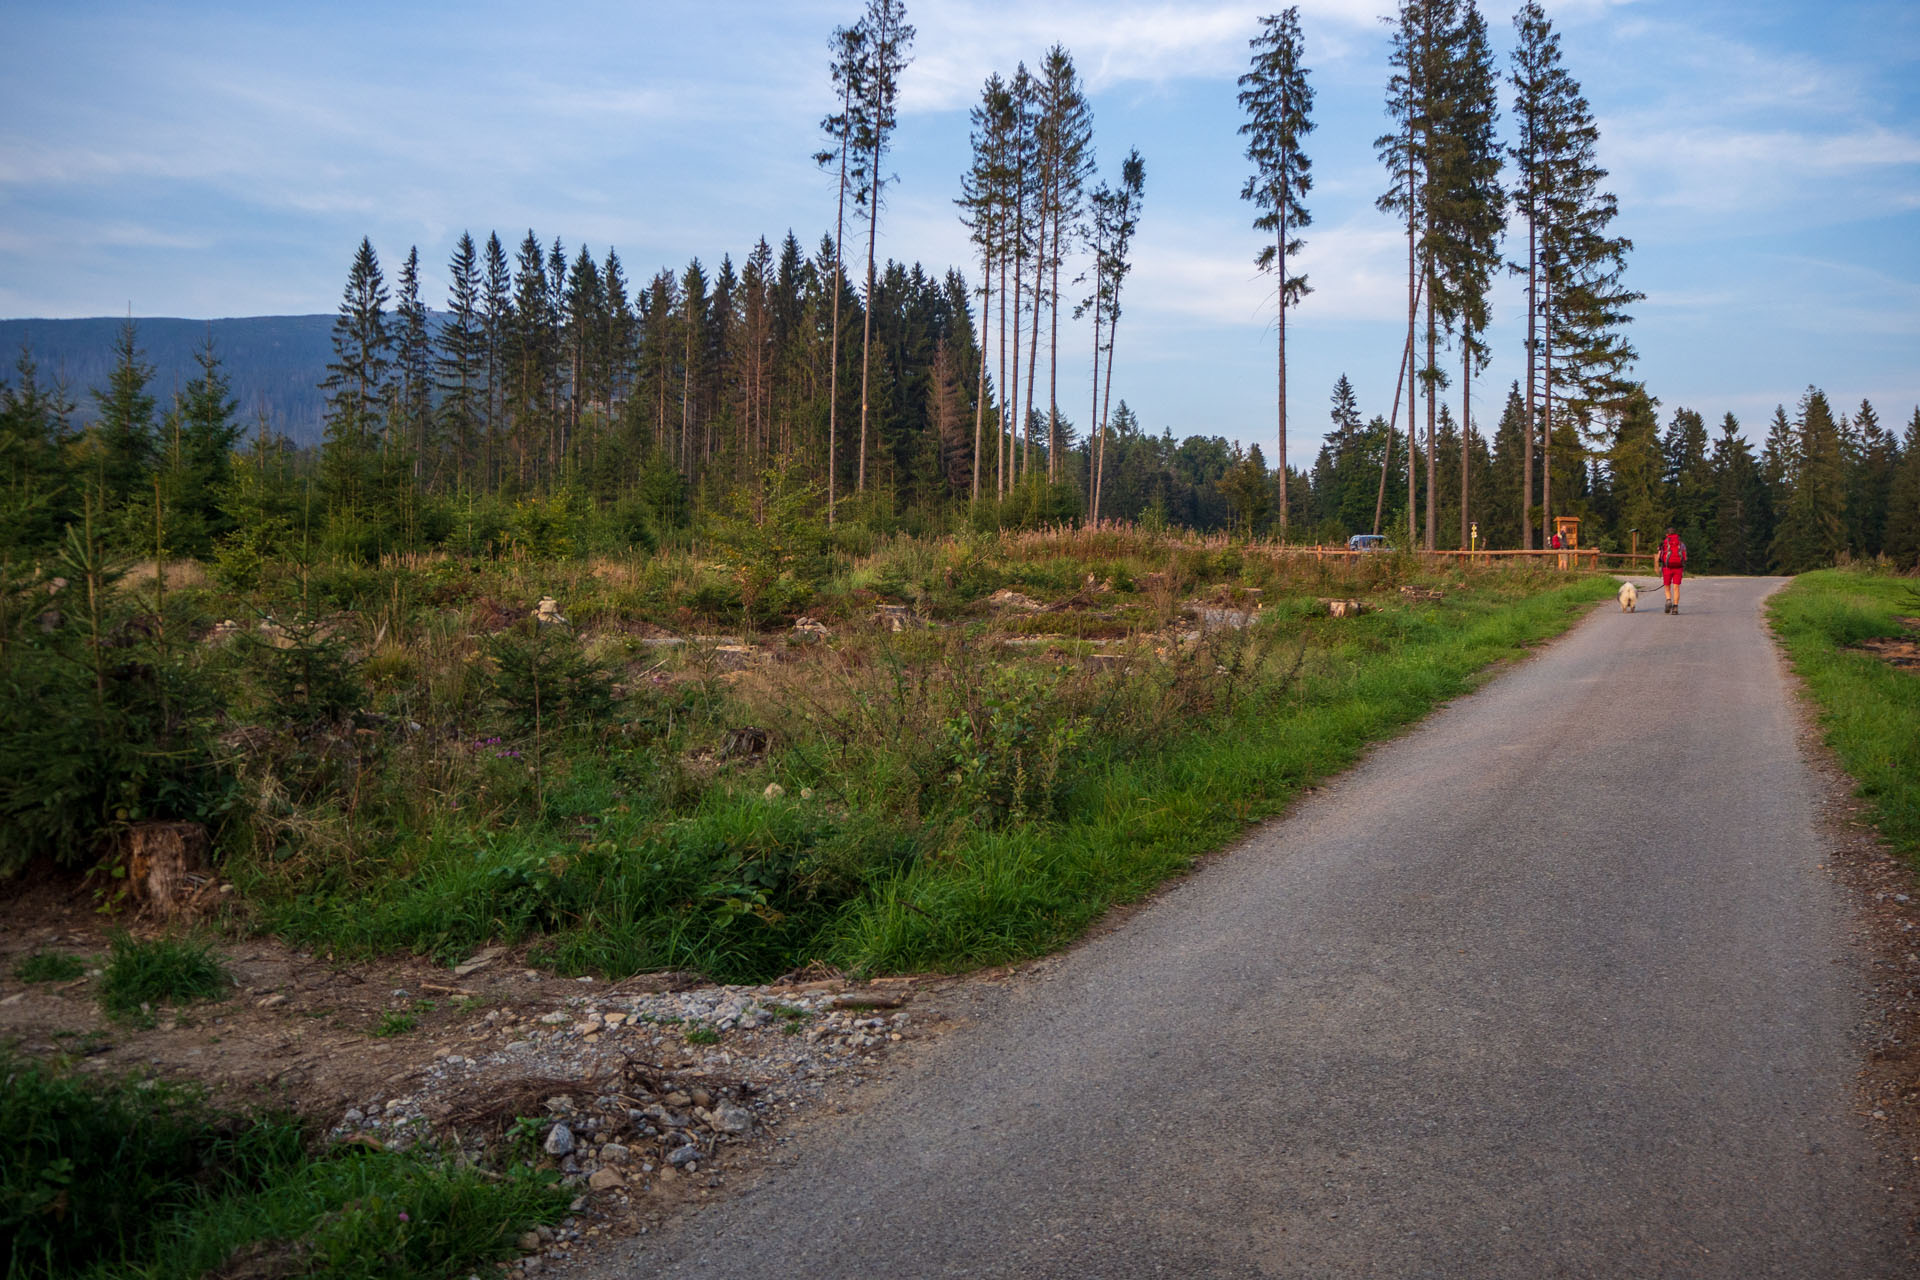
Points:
(950, 800)
(1003, 895)
(1869, 710)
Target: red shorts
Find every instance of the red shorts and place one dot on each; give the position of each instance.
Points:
(1670, 576)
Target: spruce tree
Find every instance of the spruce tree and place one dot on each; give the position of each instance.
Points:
(1470, 217)
(357, 385)
(200, 431)
(122, 438)
(1116, 216)
(1813, 530)
(1870, 483)
(848, 69)
(530, 368)
(1691, 495)
(1635, 464)
(1279, 105)
(1420, 103)
(889, 41)
(1064, 133)
(497, 323)
(1740, 526)
(1902, 544)
(37, 498)
(461, 365)
(413, 364)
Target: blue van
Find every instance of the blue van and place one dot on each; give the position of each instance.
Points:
(1367, 542)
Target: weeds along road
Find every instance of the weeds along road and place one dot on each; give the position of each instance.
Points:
(1552, 986)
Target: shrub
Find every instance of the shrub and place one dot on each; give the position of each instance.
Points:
(91, 1170)
(105, 718)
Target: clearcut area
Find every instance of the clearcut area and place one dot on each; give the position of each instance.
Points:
(1555, 985)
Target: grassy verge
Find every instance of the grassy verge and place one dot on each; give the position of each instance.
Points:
(948, 800)
(1005, 895)
(1869, 710)
(142, 1179)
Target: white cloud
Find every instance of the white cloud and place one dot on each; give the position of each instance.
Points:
(1726, 169)
(959, 44)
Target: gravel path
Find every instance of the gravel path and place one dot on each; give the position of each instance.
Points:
(1553, 986)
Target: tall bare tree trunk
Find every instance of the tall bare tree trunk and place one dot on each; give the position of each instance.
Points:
(1000, 426)
(1013, 408)
(1280, 264)
(1393, 429)
(1053, 367)
(1033, 335)
(980, 385)
(1533, 357)
(1433, 387)
(1546, 426)
(839, 238)
(866, 330)
(1096, 429)
(1466, 422)
(1413, 328)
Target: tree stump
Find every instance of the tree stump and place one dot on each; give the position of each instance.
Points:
(166, 865)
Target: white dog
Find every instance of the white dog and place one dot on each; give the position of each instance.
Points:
(1629, 597)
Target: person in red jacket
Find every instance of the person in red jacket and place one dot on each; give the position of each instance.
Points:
(1673, 559)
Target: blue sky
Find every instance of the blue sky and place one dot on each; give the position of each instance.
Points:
(221, 159)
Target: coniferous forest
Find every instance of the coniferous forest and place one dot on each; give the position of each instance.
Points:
(551, 401)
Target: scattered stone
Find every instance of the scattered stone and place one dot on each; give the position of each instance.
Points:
(605, 1180)
(479, 961)
(273, 1001)
(614, 1152)
(559, 1141)
(729, 1117)
(680, 1157)
(529, 1241)
(1005, 599)
(811, 627)
(774, 791)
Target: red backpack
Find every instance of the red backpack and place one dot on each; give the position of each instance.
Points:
(1673, 552)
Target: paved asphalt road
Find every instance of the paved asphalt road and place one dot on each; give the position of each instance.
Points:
(1553, 986)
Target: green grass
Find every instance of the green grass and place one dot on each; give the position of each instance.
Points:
(970, 804)
(1869, 710)
(49, 966)
(142, 1179)
(1013, 893)
(395, 1023)
(142, 976)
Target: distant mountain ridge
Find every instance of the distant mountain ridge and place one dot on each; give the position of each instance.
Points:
(275, 363)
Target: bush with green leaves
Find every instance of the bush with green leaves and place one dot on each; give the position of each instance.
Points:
(143, 1177)
(106, 716)
(91, 1170)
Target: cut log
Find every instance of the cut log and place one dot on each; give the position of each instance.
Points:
(166, 865)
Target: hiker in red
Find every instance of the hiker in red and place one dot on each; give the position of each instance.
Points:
(1672, 558)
